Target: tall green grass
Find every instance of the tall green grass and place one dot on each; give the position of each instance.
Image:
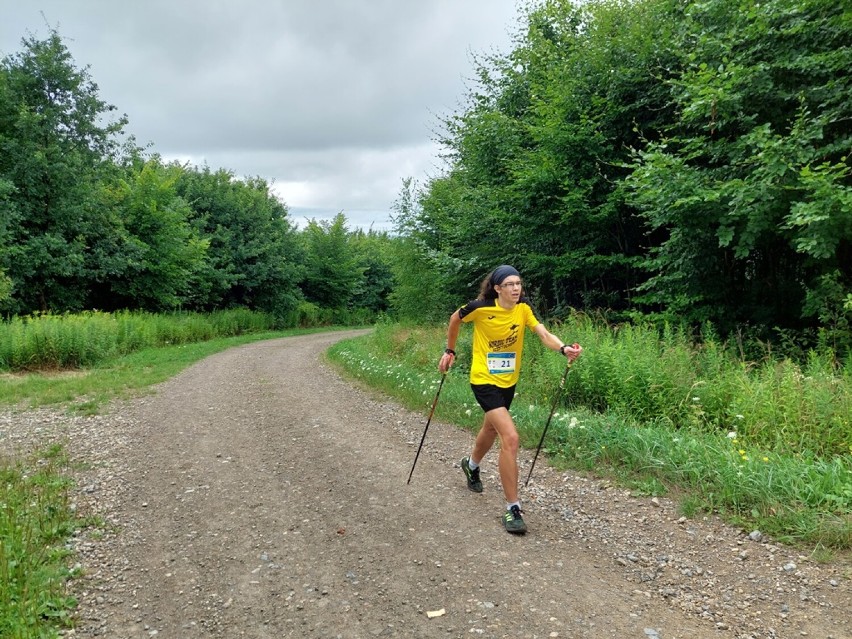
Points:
(35, 521)
(765, 444)
(47, 341)
(646, 375)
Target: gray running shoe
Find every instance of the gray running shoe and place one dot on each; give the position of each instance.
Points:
(513, 521)
(473, 481)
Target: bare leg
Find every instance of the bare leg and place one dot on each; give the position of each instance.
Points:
(484, 440)
(499, 422)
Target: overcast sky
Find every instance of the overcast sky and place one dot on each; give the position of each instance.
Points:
(332, 101)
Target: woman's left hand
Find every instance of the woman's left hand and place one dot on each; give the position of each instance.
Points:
(572, 352)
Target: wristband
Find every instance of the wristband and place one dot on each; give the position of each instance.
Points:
(562, 348)
(450, 351)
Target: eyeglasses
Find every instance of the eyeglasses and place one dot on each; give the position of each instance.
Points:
(518, 284)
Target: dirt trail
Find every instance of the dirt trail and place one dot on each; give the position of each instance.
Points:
(260, 495)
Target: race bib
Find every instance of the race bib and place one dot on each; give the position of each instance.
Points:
(501, 363)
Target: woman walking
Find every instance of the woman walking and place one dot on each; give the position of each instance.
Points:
(500, 316)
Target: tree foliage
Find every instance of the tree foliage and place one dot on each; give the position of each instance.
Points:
(537, 156)
(56, 144)
(684, 158)
(332, 268)
(751, 183)
(681, 158)
(254, 258)
(88, 221)
(373, 251)
(428, 277)
(160, 251)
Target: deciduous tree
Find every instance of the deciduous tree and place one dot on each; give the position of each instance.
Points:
(57, 138)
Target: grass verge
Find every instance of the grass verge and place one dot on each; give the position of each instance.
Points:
(88, 390)
(794, 495)
(35, 521)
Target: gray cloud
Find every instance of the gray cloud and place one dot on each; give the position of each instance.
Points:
(335, 101)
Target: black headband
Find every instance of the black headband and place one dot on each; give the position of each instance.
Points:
(501, 273)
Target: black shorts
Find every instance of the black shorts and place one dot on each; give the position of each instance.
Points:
(490, 397)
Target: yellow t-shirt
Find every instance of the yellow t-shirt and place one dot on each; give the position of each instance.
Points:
(498, 340)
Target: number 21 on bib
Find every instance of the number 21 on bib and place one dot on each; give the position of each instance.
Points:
(501, 363)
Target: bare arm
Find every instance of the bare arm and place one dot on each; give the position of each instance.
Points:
(447, 359)
(552, 342)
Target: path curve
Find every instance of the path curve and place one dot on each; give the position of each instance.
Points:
(258, 494)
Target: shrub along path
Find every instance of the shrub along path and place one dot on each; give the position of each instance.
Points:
(258, 494)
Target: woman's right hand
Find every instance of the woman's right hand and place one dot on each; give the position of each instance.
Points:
(447, 360)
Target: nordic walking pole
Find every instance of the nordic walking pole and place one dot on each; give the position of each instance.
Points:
(422, 439)
(552, 410)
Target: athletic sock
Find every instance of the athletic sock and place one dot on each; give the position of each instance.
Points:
(472, 464)
(514, 503)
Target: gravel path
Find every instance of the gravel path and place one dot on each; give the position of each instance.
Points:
(258, 494)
